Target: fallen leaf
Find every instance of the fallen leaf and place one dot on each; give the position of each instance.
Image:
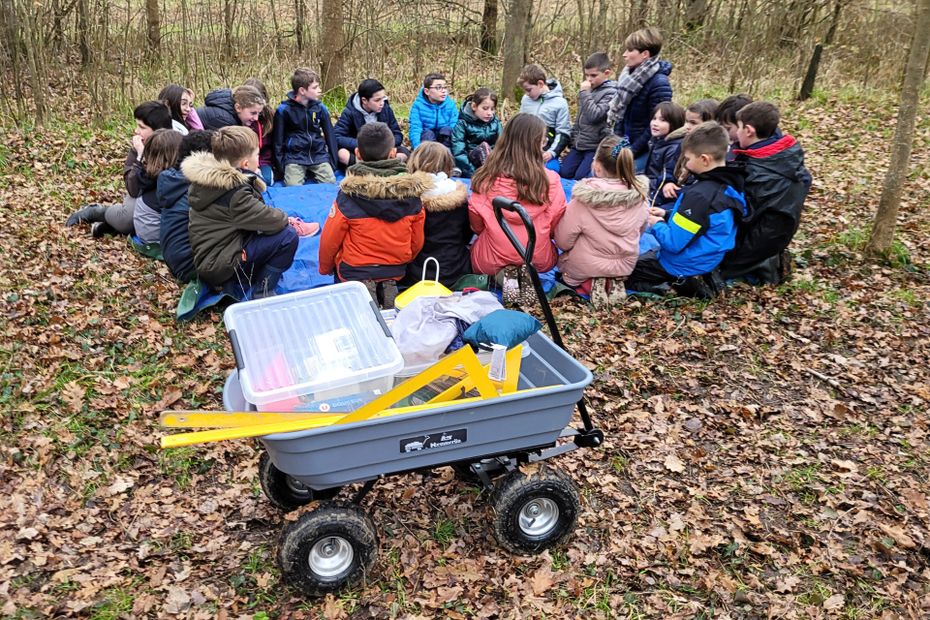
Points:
(673, 463)
(542, 580)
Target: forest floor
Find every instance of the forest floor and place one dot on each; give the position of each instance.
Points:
(767, 453)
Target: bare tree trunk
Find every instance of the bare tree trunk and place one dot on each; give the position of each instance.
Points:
(153, 27)
(229, 21)
(695, 14)
(333, 42)
(886, 218)
(300, 19)
(489, 27)
(83, 34)
(807, 88)
(514, 47)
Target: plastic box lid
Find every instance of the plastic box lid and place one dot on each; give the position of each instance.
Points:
(307, 342)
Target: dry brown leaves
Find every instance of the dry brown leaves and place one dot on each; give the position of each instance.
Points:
(767, 454)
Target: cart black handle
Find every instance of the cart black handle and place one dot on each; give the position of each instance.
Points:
(500, 205)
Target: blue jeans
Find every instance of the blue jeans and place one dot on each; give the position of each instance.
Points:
(640, 162)
(577, 164)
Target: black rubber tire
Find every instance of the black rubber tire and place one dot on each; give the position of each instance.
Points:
(548, 491)
(336, 525)
(284, 491)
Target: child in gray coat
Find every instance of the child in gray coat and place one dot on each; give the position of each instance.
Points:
(597, 91)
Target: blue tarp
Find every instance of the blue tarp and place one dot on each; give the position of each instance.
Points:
(311, 203)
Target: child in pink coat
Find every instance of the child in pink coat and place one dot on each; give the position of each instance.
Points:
(516, 171)
(600, 230)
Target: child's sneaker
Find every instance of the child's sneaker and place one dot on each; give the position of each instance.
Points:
(599, 297)
(388, 294)
(510, 286)
(616, 292)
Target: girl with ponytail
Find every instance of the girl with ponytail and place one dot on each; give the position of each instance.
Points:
(599, 233)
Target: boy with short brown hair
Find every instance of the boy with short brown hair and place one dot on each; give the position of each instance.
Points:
(304, 140)
(594, 97)
(776, 186)
(375, 226)
(544, 99)
(701, 228)
(234, 235)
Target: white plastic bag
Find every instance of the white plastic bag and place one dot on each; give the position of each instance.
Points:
(425, 328)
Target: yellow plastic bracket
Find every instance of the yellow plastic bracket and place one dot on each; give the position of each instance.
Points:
(464, 357)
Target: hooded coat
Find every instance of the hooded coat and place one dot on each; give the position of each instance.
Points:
(663, 157)
(424, 114)
(638, 114)
(225, 206)
(599, 233)
(552, 108)
(175, 216)
(492, 250)
(469, 132)
(375, 226)
(303, 134)
(446, 232)
(776, 186)
(701, 227)
(354, 117)
(218, 110)
(591, 123)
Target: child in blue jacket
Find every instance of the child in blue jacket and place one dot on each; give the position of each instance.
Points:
(434, 113)
(304, 142)
(701, 228)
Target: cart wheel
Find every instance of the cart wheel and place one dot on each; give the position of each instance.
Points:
(534, 512)
(327, 548)
(286, 492)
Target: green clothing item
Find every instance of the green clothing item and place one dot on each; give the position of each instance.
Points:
(225, 206)
(469, 132)
(381, 168)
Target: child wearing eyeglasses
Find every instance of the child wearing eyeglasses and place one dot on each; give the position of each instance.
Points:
(434, 113)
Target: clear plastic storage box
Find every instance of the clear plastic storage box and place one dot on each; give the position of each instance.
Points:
(323, 350)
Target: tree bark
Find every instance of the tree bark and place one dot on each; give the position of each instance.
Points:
(882, 236)
(489, 27)
(514, 47)
(332, 43)
(299, 20)
(810, 78)
(153, 26)
(695, 14)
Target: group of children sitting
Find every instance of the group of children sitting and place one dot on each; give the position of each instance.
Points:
(665, 195)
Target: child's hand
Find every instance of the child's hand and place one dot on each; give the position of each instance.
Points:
(657, 211)
(653, 219)
(547, 156)
(586, 85)
(138, 144)
(670, 190)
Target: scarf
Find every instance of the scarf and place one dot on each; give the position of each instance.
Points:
(628, 86)
(382, 168)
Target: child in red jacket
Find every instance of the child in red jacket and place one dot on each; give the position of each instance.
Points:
(375, 226)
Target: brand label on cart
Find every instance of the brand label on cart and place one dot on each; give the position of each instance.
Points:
(436, 440)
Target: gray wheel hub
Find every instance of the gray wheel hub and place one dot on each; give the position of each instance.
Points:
(331, 556)
(538, 516)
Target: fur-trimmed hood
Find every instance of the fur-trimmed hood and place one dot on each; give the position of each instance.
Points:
(205, 169)
(609, 193)
(407, 185)
(211, 178)
(445, 195)
(678, 134)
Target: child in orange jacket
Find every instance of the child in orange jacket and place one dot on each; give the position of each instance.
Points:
(375, 226)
